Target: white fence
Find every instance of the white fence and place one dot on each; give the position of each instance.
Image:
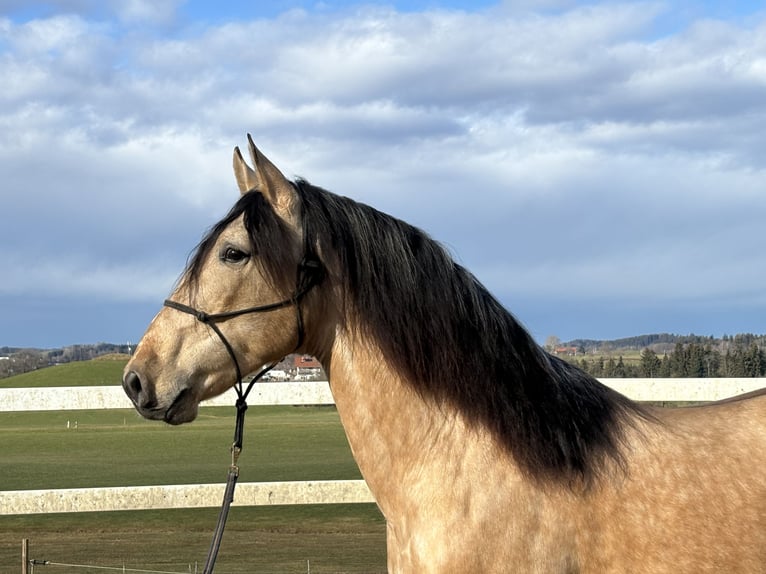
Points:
(264, 493)
(114, 397)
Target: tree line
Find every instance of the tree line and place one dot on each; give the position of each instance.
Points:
(741, 355)
(737, 359)
(15, 361)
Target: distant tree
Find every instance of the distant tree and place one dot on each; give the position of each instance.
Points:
(744, 340)
(596, 367)
(735, 363)
(694, 361)
(666, 367)
(712, 361)
(650, 363)
(753, 360)
(619, 369)
(23, 362)
(678, 361)
(552, 342)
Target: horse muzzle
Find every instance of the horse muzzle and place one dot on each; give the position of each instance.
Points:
(182, 409)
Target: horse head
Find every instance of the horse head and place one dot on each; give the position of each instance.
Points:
(239, 301)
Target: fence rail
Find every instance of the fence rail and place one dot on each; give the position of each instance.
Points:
(182, 496)
(265, 493)
(318, 393)
(114, 397)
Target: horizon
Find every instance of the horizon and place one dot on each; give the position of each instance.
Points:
(722, 337)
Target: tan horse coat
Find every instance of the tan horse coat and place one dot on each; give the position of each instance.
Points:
(689, 496)
(692, 499)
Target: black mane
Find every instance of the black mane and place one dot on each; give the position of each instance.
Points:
(456, 343)
(453, 341)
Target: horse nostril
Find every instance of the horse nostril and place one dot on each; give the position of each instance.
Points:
(141, 393)
(132, 385)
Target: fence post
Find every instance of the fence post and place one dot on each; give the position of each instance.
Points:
(25, 556)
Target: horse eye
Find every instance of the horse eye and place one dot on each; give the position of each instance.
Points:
(233, 255)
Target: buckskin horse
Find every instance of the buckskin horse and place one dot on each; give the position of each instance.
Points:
(484, 453)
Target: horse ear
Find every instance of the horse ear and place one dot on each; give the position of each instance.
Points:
(247, 179)
(263, 177)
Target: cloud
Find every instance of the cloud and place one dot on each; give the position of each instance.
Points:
(132, 12)
(560, 151)
(148, 11)
(111, 279)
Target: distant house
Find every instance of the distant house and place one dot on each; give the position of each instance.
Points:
(568, 351)
(297, 368)
(276, 375)
(306, 367)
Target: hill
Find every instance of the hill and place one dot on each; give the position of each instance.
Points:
(743, 354)
(15, 360)
(100, 371)
(662, 342)
(667, 355)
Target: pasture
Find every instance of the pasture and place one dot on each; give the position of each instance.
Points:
(119, 448)
(106, 370)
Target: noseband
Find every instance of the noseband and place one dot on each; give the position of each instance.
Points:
(310, 273)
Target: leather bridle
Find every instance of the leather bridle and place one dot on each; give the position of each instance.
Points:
(310, 273)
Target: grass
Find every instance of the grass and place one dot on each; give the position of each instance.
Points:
(102, 371)
(118, 448)
(337, 538)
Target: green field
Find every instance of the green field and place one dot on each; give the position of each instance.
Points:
(118, 448)
(103, 371)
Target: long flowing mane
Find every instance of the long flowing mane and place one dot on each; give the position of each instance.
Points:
(452, 340)
(456, 343)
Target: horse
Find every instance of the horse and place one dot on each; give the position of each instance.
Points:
(484, 453)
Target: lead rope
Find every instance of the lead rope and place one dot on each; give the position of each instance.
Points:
(239, 430)
(231, 481)
(310, 273)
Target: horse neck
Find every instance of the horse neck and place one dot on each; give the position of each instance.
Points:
(396, 435)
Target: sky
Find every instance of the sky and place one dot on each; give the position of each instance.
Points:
(599, 166)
